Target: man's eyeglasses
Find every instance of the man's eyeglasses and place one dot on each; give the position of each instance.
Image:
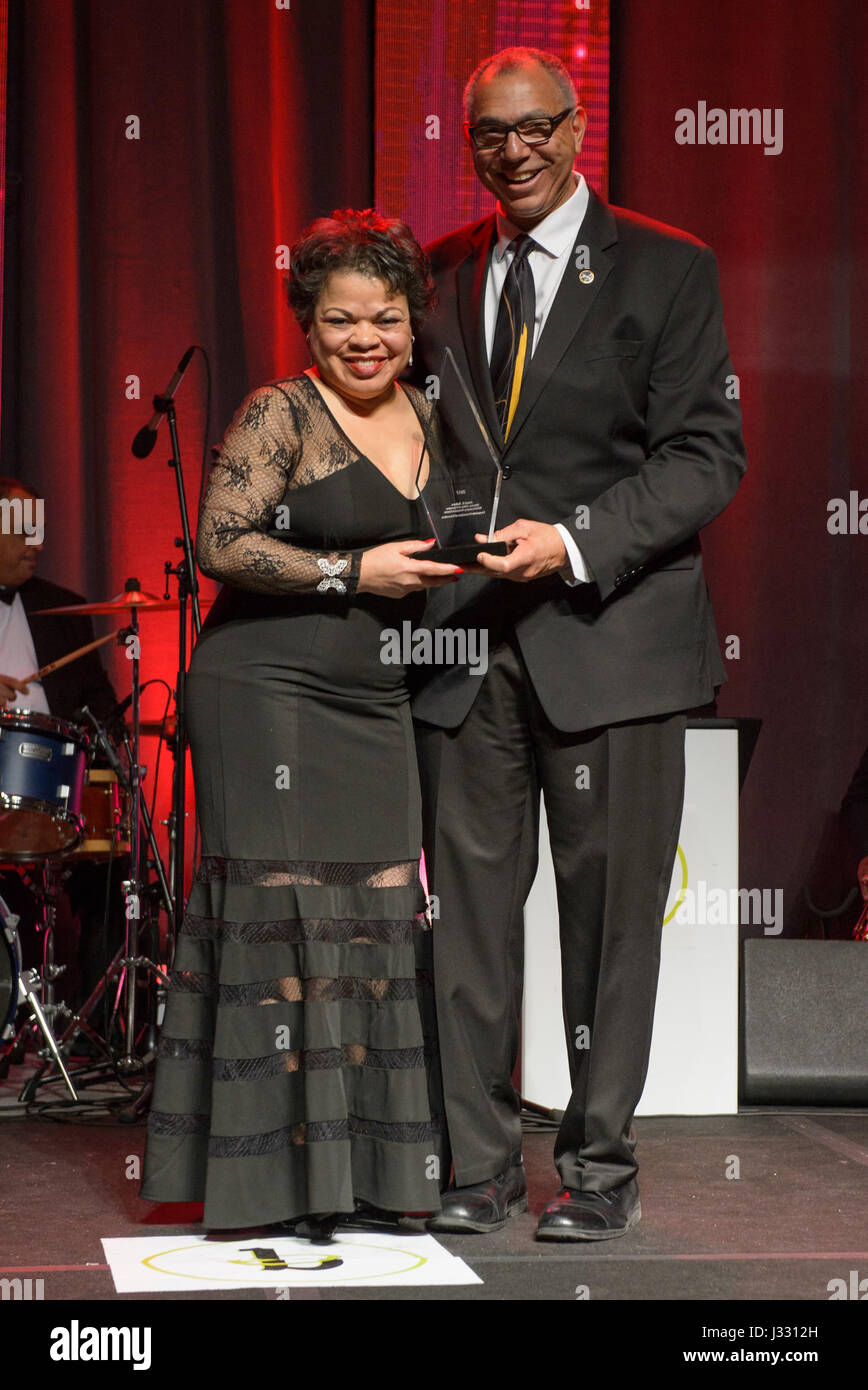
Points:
(536, 130)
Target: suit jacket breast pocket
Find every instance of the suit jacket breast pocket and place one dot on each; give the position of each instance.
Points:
(614, 387)
(611, 348)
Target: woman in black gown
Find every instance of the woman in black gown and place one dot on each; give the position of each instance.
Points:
(291, 1080)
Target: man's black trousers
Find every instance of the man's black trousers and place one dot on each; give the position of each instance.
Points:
(613, 799)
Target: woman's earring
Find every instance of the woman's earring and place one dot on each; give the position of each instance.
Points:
(412, 341)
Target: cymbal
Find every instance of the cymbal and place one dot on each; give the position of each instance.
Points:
(122, 603)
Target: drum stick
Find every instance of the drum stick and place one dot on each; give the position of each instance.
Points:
(65, 660)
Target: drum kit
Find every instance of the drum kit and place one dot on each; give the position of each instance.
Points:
(75, 790)
(70, 793)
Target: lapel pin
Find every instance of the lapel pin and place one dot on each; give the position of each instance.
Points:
(586, 276)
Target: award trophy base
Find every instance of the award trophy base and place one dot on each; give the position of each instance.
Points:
(461, 554)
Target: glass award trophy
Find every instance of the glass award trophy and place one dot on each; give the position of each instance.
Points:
(459, 475)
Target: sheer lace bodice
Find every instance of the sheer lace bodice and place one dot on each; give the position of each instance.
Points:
(282, 439)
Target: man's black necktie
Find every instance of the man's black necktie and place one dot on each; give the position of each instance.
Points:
(7, 595)
(513, 333)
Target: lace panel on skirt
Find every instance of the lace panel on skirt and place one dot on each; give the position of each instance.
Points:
(269, 873)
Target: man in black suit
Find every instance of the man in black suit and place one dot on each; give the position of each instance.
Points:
(28, 641)
(594, 344)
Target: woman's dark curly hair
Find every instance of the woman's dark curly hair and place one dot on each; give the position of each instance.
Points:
(382, 247)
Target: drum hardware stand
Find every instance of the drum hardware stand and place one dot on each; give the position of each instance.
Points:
(46, 895)
(120, 969)
(28, 983)
(128, 962)
(171, 891)
(188, 589)
(47, 1014)
(124, 781)
(156, 863)
(159, 890)
(132, 962)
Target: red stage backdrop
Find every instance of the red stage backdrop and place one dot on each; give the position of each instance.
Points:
(167, 151)
(786, 211)
(424, 56)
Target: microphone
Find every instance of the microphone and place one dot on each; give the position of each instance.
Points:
(147, 435)
(120, 708)
(105, 744)
(117, 712)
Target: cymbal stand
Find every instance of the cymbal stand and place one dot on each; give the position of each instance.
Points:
(124, 782)
(46, 892)
(188, 588)
(159, 891)
(126, 965)
(134, 886)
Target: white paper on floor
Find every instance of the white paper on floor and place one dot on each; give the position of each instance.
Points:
(164, 1264)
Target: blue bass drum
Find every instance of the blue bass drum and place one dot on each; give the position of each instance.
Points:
(42, 767)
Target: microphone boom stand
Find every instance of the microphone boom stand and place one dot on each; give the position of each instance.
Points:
(188, 588)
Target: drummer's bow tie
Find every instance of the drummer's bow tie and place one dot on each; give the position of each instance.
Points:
(7, 595)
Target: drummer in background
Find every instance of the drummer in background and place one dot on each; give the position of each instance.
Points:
(29, 641)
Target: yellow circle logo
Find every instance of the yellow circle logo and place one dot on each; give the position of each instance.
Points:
(679, 899)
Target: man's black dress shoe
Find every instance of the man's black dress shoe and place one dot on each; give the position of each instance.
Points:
(318, 1228)
(484, 1206)
(370, 1218)
(573, 1215)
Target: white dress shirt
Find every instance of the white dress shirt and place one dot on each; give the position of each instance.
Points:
(554, 239)
(18, 655)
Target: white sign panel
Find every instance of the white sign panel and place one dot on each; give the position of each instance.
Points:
(693, 1068)
(172, 1264)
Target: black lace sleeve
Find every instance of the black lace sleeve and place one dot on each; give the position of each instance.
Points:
(251, 470)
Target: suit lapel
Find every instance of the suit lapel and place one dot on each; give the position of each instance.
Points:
(571, 305)
(471, 276)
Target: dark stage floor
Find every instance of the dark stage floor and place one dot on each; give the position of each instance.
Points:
(795, 1218)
